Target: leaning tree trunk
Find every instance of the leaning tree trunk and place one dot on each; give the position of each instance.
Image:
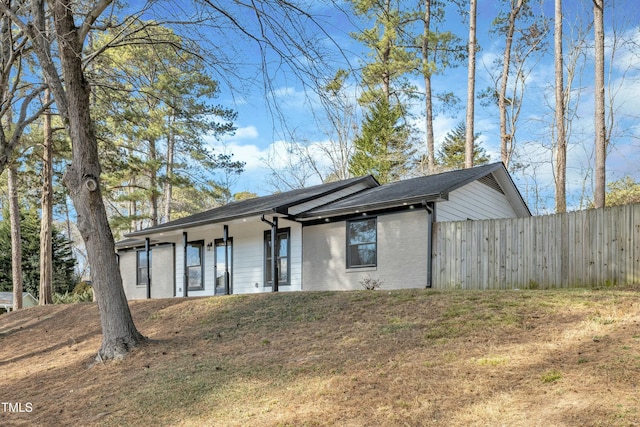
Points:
(506, 137)
(82, 179)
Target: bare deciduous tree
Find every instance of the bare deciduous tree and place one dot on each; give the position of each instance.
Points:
(600, 124)
(471, 86)
(561, 140)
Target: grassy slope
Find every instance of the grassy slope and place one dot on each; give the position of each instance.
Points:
(416, 357)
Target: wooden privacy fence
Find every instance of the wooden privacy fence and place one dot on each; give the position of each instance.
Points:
(577, 249)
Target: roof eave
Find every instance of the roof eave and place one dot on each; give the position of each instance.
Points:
(160, 229)
(375, 206)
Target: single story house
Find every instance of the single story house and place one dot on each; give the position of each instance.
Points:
(331, 236)
(6, 301)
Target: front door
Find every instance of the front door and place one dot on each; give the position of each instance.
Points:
(224, 264)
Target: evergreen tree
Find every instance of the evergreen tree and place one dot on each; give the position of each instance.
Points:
(389, 59)
(383, 148)
(153, 105)
(452, 153)
(63, 261)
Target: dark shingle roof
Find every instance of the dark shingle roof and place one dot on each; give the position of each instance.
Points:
(257, 206)
(430, 187)
(427, 188)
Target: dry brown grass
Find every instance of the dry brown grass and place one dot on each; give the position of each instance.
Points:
(368, 358)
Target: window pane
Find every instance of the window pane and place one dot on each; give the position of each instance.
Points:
(142, 276)
(143, 273)
(220, 267)
(362, 236)
(283, 270)
(193, 254)
(362, 231)
(284, 245)
(363, 254)
(195, 277)
(268, 270)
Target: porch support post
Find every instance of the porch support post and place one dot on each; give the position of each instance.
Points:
(227, 282)
(148, 266)
(430, 207)
(185, 275)
(274, 253)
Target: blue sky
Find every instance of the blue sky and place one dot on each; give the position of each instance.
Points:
(258, 132)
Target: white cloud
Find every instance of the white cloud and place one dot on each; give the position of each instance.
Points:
(247, 132)
(250, 154)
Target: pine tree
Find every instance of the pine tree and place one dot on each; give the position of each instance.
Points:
(383, 148)
(452, 153)
(384, 75)
(153, 105)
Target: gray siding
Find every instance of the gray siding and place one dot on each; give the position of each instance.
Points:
(402, 254)
(127, 262)
(162, 273)
(474, 201)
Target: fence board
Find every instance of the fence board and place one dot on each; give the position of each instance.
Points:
(576, 249)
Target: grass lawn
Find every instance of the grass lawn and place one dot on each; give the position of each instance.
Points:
(363, 358)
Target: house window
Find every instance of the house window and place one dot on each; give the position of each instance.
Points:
(362, 243)
(143, 273)
(195, 266)
(224, 265)
(282, 257)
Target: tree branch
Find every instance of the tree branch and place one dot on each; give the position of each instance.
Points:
(91, 17)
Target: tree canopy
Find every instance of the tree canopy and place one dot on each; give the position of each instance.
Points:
(623, 192)
(153, 104)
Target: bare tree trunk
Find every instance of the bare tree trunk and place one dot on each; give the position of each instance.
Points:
(168, 186)
(46, 245)
(16, 244)
(133, 206)
(428, 98)
(386, 59)
(82, 178)
(600, 126)
(153, 184)
(561, 139)
(471, 87)
(506, 138)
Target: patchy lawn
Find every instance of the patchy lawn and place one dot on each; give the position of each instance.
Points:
(367, 358)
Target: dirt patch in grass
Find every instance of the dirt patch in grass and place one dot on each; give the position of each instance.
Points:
(367, 358)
